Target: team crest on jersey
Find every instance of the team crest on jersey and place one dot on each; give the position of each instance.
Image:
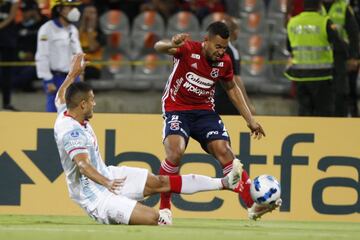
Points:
(75, 134)
(214, 73)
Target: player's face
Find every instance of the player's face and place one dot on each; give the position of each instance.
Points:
(88, 106)
(215, 47)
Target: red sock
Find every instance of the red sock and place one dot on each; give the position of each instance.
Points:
(169, 169)
(175, 183)
(244, 189)
(244, 186)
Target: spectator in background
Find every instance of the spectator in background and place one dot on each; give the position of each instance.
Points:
(312, 37)
(130, 7)
(91, 41)
(57, 42)
(8, 10)
(343, 17)
(202, 8)
(223, 105)
(166, 8)
(294, 8)
(27, 31)
(353, 73)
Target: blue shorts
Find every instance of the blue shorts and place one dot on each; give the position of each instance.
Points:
(202, 125)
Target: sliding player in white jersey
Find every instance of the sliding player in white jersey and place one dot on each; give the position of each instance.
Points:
(109, 194)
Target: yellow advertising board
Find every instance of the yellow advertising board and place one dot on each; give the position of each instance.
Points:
(316, 160)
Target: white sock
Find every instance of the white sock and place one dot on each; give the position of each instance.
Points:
(193, 183)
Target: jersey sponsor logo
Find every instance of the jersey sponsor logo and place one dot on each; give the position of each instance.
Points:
(198, 91)
(199, 81)
(214, 73)
(176, 88)
(195, 56)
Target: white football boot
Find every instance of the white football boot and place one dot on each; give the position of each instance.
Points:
(234, 176)
(257, 210)
(165, 217)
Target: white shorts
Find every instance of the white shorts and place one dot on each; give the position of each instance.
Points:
(117, 209)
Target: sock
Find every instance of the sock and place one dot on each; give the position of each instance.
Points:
(244, 186)
(244, 189)
(169, 169)
(192, 183)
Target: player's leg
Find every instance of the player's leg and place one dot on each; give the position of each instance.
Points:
(175, 140)
(222, 151)
(191, 183)
(211, 133)
(144, 215)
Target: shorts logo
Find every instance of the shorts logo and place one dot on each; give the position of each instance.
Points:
(174, 126)
(214, 73)
(212, 133)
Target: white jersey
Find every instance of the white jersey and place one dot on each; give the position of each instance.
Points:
(73, 138)
(56, 45)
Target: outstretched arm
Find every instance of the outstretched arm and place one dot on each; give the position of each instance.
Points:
(170, 46)
(237, 98)
(76, 68)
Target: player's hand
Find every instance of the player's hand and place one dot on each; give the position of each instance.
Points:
(115, 185)
(179, 39)
(256, 130)
(50, 88)
(77, 65)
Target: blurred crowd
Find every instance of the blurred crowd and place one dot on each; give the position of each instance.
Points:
(118, 37)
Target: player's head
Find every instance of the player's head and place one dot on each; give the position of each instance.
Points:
(79, 97)
(67, 9)
(216, 41)
(312, 5)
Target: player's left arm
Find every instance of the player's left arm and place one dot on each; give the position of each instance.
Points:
(76, 68)
(237, 98)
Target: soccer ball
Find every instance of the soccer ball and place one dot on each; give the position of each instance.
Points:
(265, 189)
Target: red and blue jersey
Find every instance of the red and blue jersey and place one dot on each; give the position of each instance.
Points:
(191, 84)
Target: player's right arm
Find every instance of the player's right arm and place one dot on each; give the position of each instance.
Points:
(85, 168)
(171, 46)
(76, 68)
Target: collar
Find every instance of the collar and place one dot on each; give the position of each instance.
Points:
(58, 23)
(83, 123)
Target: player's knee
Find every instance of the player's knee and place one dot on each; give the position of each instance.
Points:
(223, 152)
(174, 155)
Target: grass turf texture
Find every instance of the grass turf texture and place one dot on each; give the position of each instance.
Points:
(82, 228)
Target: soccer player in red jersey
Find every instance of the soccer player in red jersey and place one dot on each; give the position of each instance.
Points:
(188, 108)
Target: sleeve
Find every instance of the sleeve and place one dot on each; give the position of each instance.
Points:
(42, 57)
(352, 29)
(74, 142)
(183, 49)
(60, 107)
(229, 73)
(76, 46)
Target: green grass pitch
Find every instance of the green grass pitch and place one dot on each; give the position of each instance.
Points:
(83, 228)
